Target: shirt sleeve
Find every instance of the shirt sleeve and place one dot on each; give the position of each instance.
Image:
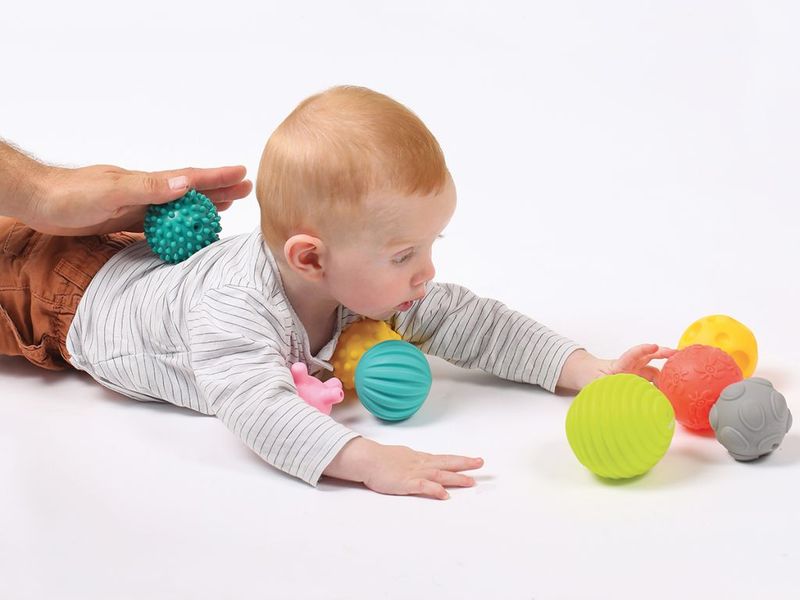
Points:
(239, 362)
(453, 323)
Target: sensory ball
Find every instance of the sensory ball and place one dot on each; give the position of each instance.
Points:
(178, 229)
(693, 379)
(353, 342)
(620, 426)
(725, 333)
(750, 418)
(393, 379)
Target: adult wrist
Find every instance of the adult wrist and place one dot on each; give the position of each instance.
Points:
(39, 189)
(25, 187)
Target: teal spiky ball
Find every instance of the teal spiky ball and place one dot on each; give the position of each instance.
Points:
(393, 379)
(178, 229)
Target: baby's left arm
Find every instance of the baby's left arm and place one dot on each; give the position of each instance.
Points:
(581, 368)
(453, 323)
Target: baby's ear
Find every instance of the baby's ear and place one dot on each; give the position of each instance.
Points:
(302, 253)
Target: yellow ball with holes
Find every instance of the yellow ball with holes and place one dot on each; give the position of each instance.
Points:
(353, 343)
(727, 334)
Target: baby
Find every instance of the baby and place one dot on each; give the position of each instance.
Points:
(354, 191)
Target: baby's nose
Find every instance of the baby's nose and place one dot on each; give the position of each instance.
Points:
(424, 276)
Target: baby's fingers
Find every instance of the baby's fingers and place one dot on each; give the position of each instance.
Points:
(662, 352)
(632, 357)
(450, 479)
(426, 487)
(649, 373)
(435, 480)
(451, 462)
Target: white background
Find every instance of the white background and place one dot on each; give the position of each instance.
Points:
(623, 168)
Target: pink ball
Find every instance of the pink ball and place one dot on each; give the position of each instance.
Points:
(693, 379)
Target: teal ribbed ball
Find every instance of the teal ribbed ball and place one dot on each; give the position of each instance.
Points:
(178, 229)
(393, 379)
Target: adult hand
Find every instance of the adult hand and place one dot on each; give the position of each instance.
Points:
(104, 198)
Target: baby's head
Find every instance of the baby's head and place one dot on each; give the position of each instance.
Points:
(354, 190)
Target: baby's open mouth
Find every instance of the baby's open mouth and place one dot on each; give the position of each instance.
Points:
(408, 304)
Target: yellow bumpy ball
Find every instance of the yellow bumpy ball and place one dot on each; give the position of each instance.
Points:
(727, 334)
(353, 343)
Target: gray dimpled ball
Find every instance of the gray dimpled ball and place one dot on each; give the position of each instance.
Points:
(750, 418)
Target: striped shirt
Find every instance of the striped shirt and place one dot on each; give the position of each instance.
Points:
(216, 333)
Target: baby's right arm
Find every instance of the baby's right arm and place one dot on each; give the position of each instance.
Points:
(400, 470)
(241, 371)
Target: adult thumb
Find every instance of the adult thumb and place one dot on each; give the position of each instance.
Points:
(158, 188)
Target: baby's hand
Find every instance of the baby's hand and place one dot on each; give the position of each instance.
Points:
(636, 361)
(582, 368)
(400, 470)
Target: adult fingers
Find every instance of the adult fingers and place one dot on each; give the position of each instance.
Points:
(163, 186)
(205, 179)
(227, 195)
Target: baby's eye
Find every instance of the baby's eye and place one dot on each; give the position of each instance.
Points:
(401, 259)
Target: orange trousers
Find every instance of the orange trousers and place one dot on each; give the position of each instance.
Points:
(42, 279)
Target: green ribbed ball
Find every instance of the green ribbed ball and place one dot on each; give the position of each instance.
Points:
(620, 426)
(178, 229)
(393, 379)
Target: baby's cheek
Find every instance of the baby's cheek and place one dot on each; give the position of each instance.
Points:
(362, 292)
(371, 295)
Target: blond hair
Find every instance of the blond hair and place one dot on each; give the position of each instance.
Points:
(333, 150)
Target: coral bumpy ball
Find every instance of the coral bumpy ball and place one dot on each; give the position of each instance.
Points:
(693, 379)
(178, 229)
